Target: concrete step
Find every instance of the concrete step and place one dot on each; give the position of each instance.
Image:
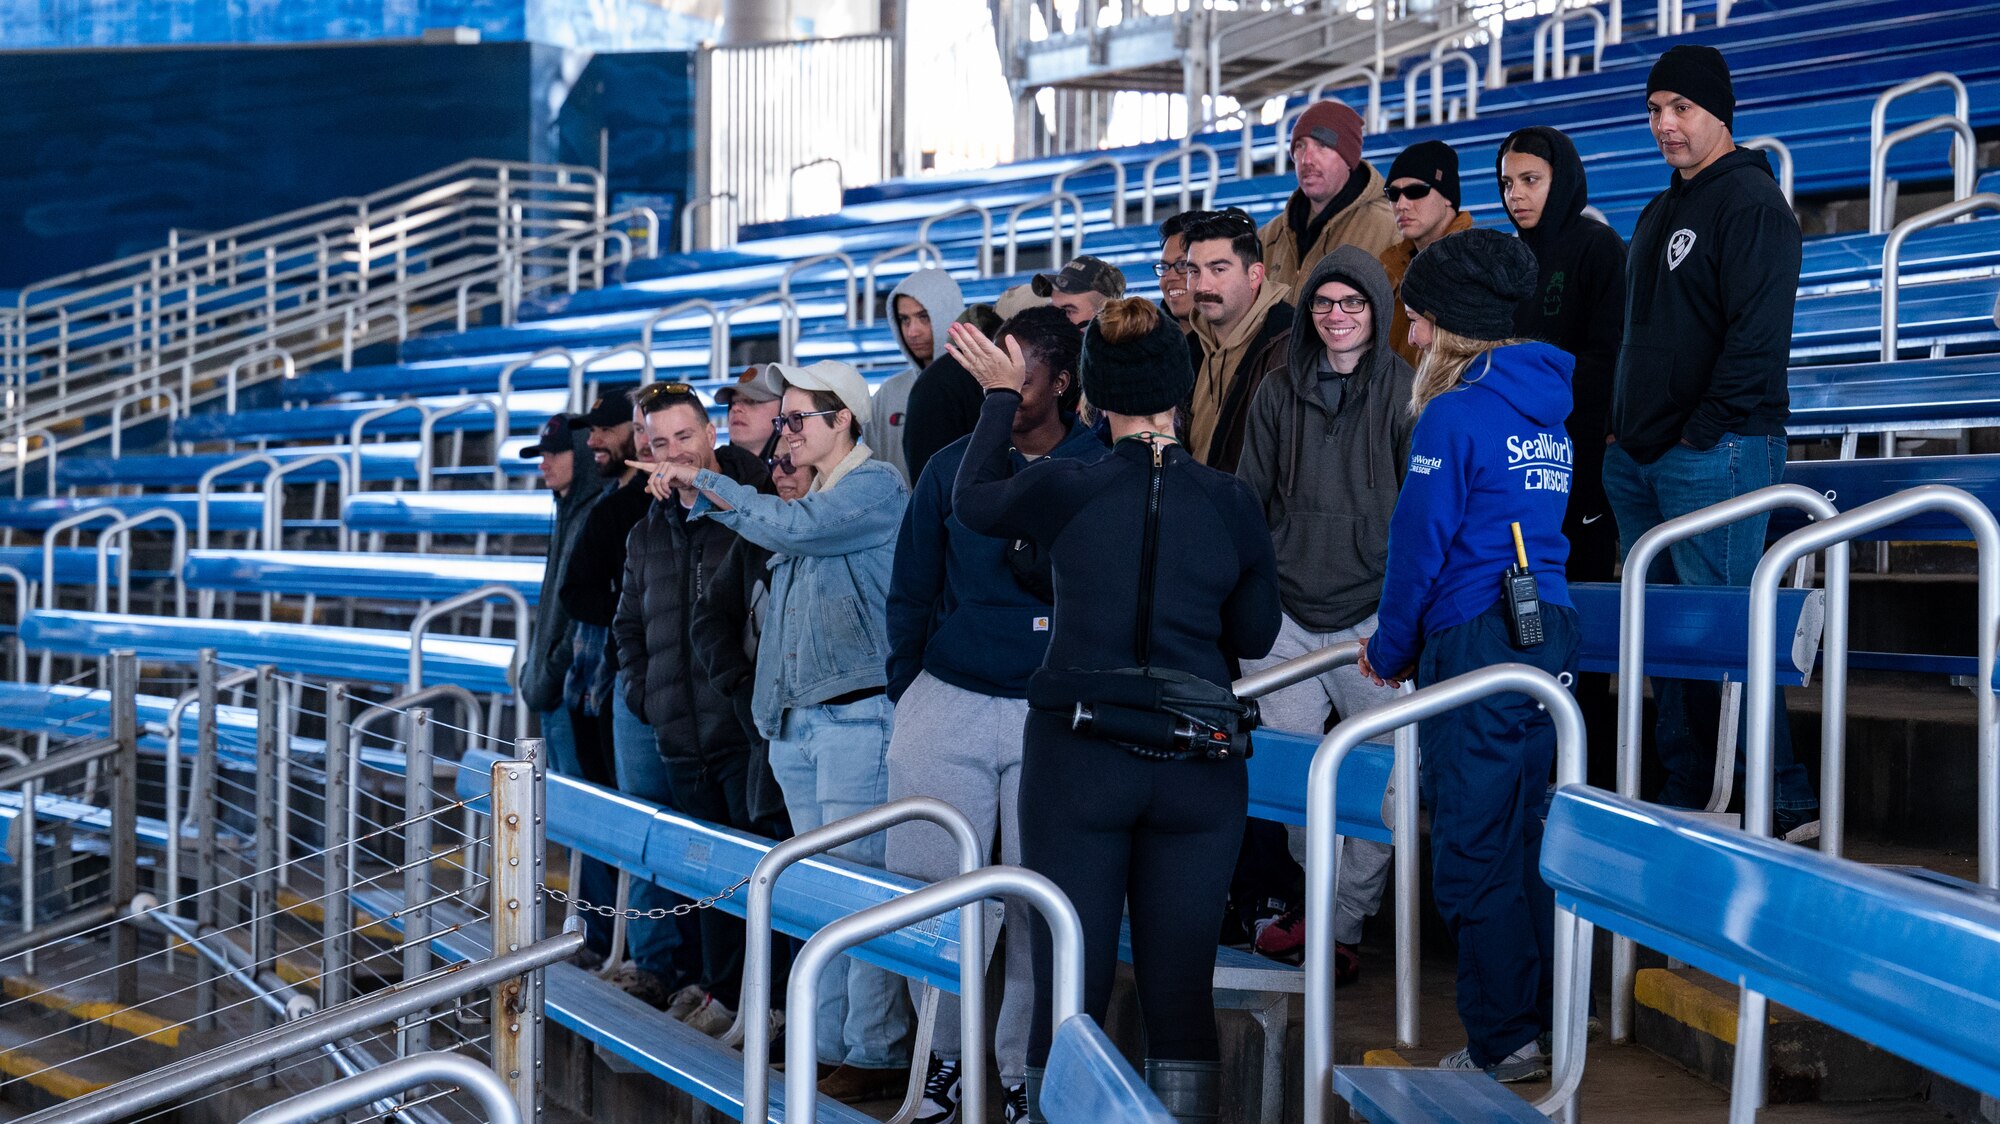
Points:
(1912, 759)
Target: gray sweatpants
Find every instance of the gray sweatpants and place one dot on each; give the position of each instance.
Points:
(965, 749)
(1302, 708)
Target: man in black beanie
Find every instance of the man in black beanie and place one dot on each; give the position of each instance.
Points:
(1699, 403)
(1423, 191)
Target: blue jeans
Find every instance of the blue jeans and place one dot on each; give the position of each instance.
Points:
(559, 738)
(599, 885)
(832, 761)
(668, 948)
(1642, 497)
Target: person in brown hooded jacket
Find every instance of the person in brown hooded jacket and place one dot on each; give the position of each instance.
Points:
(1338, 201)
(1241, 330)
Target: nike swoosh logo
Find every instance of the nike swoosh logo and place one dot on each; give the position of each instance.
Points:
(1589, 519)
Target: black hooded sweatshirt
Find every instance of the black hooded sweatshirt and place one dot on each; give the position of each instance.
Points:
(1712, 279)
(1579, 306)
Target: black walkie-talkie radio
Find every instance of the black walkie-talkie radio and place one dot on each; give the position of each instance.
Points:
(1523, 598)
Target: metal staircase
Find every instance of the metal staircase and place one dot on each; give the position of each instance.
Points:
(154, 335)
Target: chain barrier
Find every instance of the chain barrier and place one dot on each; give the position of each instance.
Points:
(660, 914)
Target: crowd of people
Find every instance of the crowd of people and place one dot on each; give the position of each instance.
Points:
(1021, 575)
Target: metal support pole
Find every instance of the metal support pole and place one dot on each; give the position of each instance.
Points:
(337, 922)
(517, 921)
(967, 891)
(124, 819)
(417, 779)
(201, 805)
(263, 878)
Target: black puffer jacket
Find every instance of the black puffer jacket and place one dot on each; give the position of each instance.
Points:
(669, 563)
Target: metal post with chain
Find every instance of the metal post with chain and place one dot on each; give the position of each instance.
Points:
(661, 914)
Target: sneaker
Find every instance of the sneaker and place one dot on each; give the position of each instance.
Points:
(941, 1093)
(1282, 937)
(649, 988)
(1015, 1104)
(1525, 1064)
(1800, 828)
(711, 1017)
(854, 1085)
(684, 1002)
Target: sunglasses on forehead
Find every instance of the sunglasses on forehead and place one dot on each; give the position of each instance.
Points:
(646, 397)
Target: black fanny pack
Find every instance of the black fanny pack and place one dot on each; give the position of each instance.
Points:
(1155, 713)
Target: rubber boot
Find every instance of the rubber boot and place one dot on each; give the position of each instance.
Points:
(1035, 1073)
(1190, 1091)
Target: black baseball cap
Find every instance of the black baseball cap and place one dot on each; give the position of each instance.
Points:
(613, 407)
(1081, 275)
(554, 438)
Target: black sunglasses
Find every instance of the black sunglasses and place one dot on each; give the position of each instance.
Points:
(781, 463)
(653, 392)
(1412, 191)
(797, 422)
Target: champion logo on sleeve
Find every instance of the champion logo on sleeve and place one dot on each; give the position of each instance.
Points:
(1678, 247)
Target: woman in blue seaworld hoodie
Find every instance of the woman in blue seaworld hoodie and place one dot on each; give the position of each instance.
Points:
(1489, 451)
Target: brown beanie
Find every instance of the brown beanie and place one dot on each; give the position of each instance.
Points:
(1334, 125)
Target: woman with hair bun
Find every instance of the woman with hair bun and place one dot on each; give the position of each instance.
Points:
(1488, 480)
(1163, 573)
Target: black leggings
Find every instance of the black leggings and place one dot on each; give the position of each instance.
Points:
(1108, 827)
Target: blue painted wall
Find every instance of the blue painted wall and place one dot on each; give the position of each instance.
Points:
(588, 24)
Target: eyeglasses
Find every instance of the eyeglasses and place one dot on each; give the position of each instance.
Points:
(1353, 306)
(1410, 191)
(1183, 267)
(797, 422)
(781, 463)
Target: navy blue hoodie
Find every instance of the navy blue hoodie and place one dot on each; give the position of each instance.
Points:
(955, 609)
(1489, 452)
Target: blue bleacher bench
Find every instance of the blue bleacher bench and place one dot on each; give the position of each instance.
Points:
(328, 573)
(74, 565)
(1851, 483)
(465, 513)
(1699, 632)
(381, 461)
(366, 654)
(227, 511)
(1903, 963)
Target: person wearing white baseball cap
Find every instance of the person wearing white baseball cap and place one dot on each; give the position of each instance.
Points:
(819, 695)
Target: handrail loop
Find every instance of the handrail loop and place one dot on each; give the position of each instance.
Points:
(1185, 154)
(1964, 165)
(1554, 28)
(1117, 189)
(1435, 68)
(849, 274)
(1892, 257)
(919, 250)
(1054, 201)
(985, 231)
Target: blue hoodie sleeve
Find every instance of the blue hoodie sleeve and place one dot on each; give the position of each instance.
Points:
(918, 578)
(1431, 507)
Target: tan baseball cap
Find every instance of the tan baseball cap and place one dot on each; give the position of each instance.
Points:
(843, 380)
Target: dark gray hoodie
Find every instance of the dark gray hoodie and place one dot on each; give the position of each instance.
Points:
(1328, 482)
(547, 662)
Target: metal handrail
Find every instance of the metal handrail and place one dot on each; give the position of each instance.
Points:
(1403, 841)
(753, 1013)
(274, 494)
(792, 181)
(965, 891)
(1878, 115)
(261, 355)
(716, 368)
(505, 386)
(1185, 154)
(212, 1068)
(850, 273)
(1376, 121)
(355, 431)
(117, 426)
(1054, 201)
(689, 208)
(1554, 27)
(122, 527)
(1323, 868)
(176, 823)
(1632, 663)
(985, 227)
(427, 429)
(1892, 257)
(23, 597)
(579, 375)
(1783, 152)
(1761, 691)
(437, 1067)
(918, 250)
(1964, 165)
(1117, 188)
(204, 490)
(1435, 68)
(788, 321)
(484, 593)
(49, 537)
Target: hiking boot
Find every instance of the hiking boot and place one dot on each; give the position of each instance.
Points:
(853, 1085)
(941, 1093)
(1525, 1064)
(684, 1002)
(711, 1017)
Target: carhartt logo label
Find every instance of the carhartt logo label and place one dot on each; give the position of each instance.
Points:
(1424, 466)
(1678, 247)
(1041, 624)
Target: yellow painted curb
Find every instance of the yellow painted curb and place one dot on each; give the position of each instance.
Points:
(68, 1086)
(314, 912)
(138, 1024)
(1686, 1001)
(1385, 1057)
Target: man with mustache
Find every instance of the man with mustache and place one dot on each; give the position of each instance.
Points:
(1243, 322)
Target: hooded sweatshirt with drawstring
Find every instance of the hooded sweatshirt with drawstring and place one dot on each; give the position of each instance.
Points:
(1579, 306)
(547, 663)
(939, 295)
(1324, 455)
(1230, 369)
(1487, 453)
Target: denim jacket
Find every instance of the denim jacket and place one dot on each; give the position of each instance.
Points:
(826, 629)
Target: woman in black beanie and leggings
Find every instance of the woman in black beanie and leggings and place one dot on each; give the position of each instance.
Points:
(1106, 825)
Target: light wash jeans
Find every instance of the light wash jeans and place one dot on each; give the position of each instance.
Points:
(654, 946)
(832, 762)
(559, 738)
(599, 885)
(1302, 708)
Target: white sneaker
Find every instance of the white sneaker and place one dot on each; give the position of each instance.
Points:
(941, 1093)
(711, 1017)
(1525, 1064)
(684, 1002)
